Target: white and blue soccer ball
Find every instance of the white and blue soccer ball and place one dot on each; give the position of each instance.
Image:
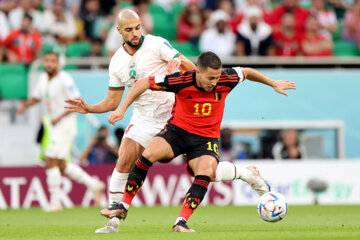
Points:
(272, 207)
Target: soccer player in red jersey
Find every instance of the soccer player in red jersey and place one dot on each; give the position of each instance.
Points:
(194, 127)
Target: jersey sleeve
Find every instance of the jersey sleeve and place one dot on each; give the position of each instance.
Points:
(115, 83)
(230, 77)
(172, 83)
(71, 89)
(37, 92)
(166, 50)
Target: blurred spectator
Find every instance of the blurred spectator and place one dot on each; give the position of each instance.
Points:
(235, 18)
(274, 17)
(313, 44)
(119, 133)
(325, 17)
(287, 41)
(230, 151)
(93, 19)
(242, 5)
(62, 23)
(99, 150)
(23, 44)
(191, 23)
(218, 38)
(254, 36)
(352, 23)
(141, 7)
(114, 39)
(340, 7)
(7, 5)
(72, 6)
(27, 7)
(289, 146)
(4, 26)
(96, 51)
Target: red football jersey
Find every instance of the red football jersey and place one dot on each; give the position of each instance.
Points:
(195, 110)
(24, 46)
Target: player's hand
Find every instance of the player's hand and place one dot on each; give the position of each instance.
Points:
(77, 105)
(282, 85)
(55, 121)
(116, 116)
(172, 64)
(21, 108)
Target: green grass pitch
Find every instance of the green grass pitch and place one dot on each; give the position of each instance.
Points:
(211, 222)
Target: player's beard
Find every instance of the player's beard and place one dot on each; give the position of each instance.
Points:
(133, 45)
(51, 72)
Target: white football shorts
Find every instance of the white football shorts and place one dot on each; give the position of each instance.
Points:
(143, 131)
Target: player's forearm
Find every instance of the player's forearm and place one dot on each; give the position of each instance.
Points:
(139, 87)
(110, 103)
(30, 102)
(256, 76)
(186, 64)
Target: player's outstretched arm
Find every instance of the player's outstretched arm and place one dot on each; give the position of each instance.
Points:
(279, 85)
(181, 62)
(139, 87)
(110, 103)
(25, 104)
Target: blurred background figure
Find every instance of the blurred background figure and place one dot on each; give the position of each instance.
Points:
(230, 150)
(218, 38)
(191, 23)
(22, 45)
(289, 146)
(287, 40)
(141, 7)
(71, 6)
(313, 44)
(352, 23)
(93, 20)
(99, 151)
(326, 18)
(27, 7)
(119, 133)
(235, 17)
(62, 25)
(4, 26)
(254, 35)
(273, 17)
(53, 87)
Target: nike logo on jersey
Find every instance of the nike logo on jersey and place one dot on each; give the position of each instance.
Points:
(188, 97)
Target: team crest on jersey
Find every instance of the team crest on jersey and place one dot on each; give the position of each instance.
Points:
(217, 96)
(132, 74)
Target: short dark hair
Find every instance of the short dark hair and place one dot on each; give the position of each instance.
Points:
(28, 16)
(208, 60)
(52, 53)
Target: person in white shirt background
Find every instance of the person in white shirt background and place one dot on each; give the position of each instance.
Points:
(53, 87)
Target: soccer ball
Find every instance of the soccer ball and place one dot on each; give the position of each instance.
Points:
(272, 207)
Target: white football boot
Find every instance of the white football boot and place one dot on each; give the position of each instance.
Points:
(111, 227)
(257, 182)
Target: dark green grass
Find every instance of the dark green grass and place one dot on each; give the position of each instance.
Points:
(212, 222)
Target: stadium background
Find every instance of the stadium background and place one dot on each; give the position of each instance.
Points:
(324, 108)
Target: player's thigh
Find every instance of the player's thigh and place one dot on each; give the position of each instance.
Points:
(129, 151)
(204, 165)
(51, 162)
(158, 149)
(60, 144)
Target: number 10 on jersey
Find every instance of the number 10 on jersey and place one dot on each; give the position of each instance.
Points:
(205, 109)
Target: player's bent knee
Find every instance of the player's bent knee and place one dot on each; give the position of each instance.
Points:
(124, 165)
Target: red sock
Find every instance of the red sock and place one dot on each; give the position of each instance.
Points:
(136, 179)
(194, 196)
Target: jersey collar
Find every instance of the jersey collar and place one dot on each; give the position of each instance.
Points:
(132, 54)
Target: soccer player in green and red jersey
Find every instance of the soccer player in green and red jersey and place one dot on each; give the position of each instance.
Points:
(194, 127)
